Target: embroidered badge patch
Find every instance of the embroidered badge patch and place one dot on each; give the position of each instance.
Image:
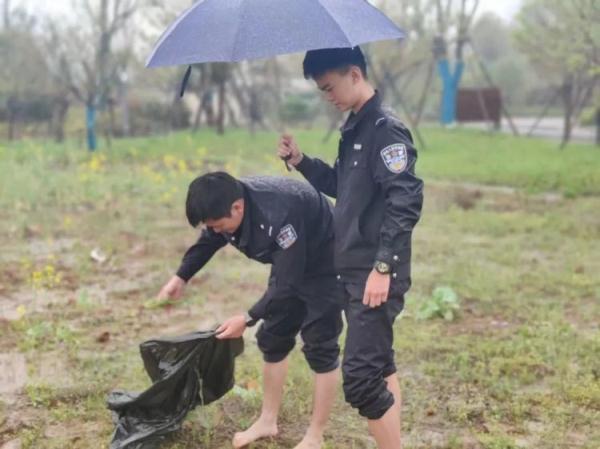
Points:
(395, 157)
(287, 236)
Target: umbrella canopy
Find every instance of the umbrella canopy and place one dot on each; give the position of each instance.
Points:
(236, 30)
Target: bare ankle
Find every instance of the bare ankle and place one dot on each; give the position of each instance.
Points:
(311, 440)
(267, 420)
(260, 429)
(314, 433)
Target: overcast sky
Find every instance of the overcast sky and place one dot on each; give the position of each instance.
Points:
(504, 8)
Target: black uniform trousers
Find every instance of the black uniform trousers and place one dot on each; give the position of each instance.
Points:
(312, 310)
(368, 352)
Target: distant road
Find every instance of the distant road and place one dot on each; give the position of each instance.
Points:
(550, 128)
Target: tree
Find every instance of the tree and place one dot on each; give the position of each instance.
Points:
(562, 41)
(6, 14)
(458, 26)
(491, 38)
(433, 26)
(82, 55)
(410, 72)
(213, 83)
(25, 92)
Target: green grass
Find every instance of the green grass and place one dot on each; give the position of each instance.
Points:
(457, 155)
(535, 165)
(517, 367)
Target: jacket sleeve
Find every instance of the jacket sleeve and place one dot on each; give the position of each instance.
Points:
(289, 263)
(200, 253)
(321, 176)
(393, 168)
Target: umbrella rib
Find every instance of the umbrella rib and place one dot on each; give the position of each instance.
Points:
(335, 21)
(167, 32)
(237, 33)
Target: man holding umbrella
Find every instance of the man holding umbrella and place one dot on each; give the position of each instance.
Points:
(379, 201)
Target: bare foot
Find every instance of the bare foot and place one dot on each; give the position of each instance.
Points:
(310, 442)
(256, 431)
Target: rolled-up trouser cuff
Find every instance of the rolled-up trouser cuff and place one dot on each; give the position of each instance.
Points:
(387, 372)
(369, 353)
(379, 408)
(274, 348)
(370, 397)
(322, 357)
(314, 312)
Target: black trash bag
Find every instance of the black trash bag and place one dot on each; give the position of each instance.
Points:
(186, 371)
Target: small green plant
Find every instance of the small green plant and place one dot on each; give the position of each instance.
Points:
(246, 394)
(30, 438)
(84, 301)
(153, 303)
(40, 395)
(44, 334)
(443, 303)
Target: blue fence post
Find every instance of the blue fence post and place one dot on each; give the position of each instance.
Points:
(450, 83)
(91, 127)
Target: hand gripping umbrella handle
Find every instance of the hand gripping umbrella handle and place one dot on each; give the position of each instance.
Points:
(285, 161)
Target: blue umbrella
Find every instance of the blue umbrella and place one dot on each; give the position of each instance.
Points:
(236, 30)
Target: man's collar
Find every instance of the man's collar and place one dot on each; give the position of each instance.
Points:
(355, 118)
(247, 221)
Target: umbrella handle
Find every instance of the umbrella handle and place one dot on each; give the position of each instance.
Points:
(285, 161)
(184, 81)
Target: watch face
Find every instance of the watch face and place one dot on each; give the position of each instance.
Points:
(382, 267)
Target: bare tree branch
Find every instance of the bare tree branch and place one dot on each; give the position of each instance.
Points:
(6, 14)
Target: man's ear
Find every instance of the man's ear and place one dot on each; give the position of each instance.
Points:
(237, 206)
(356, 74)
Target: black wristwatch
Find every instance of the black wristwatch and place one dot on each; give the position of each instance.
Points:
(382, 267)
(249, 320)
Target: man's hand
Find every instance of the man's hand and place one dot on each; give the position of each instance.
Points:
(288, 150)
(234, 327)
(377, 289)
(172, 289)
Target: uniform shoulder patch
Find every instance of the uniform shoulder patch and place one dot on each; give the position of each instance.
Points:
(380, 121)
(287, 236)
(395, 157)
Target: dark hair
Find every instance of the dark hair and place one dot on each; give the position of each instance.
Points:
(210, 196)
(318, 62)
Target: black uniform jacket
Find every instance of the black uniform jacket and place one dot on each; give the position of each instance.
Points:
(287, 223)
(378, 196)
